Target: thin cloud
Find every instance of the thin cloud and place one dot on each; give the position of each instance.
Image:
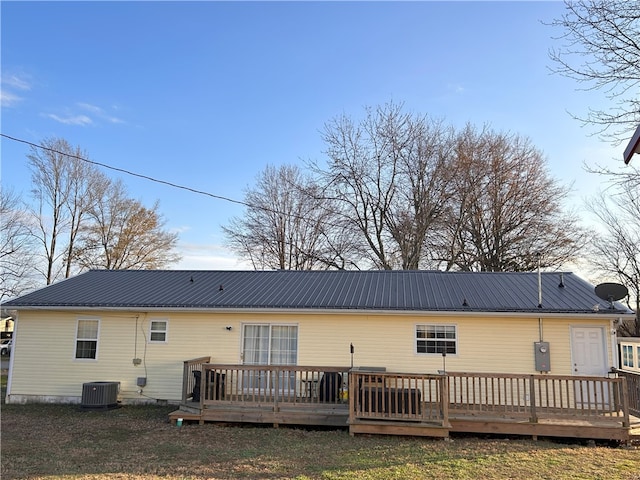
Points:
(16, 81)
(82, 120)
(8, 99)
(10, 83)
(208, 256)
(84, 114)
(456, 88)
(99, 112)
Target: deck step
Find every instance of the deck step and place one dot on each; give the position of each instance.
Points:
(195, 408)
(184, 415)
(399, 428)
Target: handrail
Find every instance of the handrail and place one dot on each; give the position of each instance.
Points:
(538, 396)
(399, 397)
(407, 397)
(188, 379)
(633, 389)
(274, 384)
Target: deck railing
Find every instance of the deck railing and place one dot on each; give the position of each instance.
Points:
(633, 387)
(189, 379)
(538, 396)
(275, 384)
(405, 397)
(398, 397)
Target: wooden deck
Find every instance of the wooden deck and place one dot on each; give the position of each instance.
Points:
(379, 402)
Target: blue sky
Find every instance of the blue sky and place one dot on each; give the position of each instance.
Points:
(206, 94)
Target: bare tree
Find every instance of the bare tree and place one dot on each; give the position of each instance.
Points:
(16, 246)
(387, 176)
(602, 51)
(286, 224)
(507, 208)
(616, 250)
(122, 234)
(423, 190)
(62, 187)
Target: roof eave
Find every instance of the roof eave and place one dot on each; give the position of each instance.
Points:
(532, 313)
(633, 147)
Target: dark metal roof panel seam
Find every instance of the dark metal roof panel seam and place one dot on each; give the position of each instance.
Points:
(346, 291)
(329, 290)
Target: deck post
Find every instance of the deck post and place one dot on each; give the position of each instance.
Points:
(625, 402)
(351, 399)
(532, 399)
(276, 403)
(185, 381)
(444, 399)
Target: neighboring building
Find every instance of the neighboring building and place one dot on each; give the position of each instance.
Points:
(633, 146)
(630, 354)
(120, 326)
(6, 324)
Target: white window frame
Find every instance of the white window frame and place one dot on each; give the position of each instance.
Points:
(628, 356)
(165, 330)
(87, 339)
(257, 382)
(443, 326)
(633, 354)
(269, 352)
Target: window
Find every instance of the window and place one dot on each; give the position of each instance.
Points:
(627, 356)
(270, 344)
(436, 339)
(87, 338)
(158, 331)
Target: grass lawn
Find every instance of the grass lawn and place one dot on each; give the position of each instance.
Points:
(61, 441)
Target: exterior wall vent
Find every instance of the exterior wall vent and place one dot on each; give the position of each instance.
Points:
(100, 395)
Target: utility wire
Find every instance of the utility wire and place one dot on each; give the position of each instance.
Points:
(128, 172)
(189, 189)
(171, 184)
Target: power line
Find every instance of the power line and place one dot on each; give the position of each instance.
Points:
(128, 172)
(173, 185)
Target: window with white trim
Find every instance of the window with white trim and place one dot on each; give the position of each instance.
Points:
(436, 339)
(158, 328)
(265, 344)
(269, 344)
(627, 356)
(87, 338)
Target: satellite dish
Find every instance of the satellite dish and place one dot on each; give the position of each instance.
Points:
(611, 292)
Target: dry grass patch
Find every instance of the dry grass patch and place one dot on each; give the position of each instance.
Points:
(54, 441)
(137, 442)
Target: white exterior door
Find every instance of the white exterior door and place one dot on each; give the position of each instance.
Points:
(588, 352)
(589, 358)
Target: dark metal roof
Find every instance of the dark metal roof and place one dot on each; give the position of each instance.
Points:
(325, 290)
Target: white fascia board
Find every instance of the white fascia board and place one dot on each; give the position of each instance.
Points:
(313, 311)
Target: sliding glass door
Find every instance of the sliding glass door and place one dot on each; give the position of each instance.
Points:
(268, 344)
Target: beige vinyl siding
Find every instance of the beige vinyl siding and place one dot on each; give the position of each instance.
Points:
(44, 364)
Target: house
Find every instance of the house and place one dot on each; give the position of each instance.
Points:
(138, 328)
(6, 324)
(630, 354)
(633, 146)
(630, 369)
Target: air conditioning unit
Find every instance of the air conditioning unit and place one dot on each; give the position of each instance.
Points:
(100, 395)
